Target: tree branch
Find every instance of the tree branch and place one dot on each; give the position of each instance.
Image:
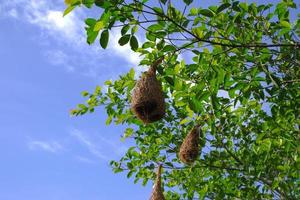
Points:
(254, 45)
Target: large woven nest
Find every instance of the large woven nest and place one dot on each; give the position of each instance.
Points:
(147, 101)
(189, 149)
(157, 192)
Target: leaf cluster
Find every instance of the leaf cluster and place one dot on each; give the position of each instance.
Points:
(241, 85)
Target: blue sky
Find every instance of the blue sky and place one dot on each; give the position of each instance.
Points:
(45, 64)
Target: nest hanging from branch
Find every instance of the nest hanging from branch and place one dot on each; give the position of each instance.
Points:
(148, 102)
(157, 192)
(189, 149)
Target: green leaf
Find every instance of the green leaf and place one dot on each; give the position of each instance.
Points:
(244, 6)
(99, 3)
(105, 17)
(104, 39)
(125, 29)
(223, 7)
(265, 145)
(160, 34)
(188, 2)
(155, 27)
(157, 10)
(169, 48)
(194, 11)
(98, 26)
(148, 45)
(150, 36)
(198, 31)
(90, 22)
(163, 1)
(184, 121)
(68, 10)
(134, 43)
(235, 6)
(108, 120)
(213, 8)
(206, 12)
(204, 96)
(84, 93)
(195, 105)
(134, 29)
(128, 132)
(284, 31)
(88, 3)
(130, 173)
(68, 2)
(97, 90)
(131, 73)
(170, 80)
(285, 24)
(145, 181)
(108, 82)
(124, 39)
(160, 44)
(92, 35)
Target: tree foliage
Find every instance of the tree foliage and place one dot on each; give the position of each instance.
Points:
(239, 80)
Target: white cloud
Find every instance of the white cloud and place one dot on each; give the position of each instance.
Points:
(83, 139)
(68, 32)
(49, 17)
(122, 51)
(49, 146)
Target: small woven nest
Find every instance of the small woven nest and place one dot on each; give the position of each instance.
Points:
(157, 192)
(147, 101)
(189, 149)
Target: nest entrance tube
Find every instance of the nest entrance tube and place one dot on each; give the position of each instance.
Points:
(148, 102)
(157, 192)
(189, 149)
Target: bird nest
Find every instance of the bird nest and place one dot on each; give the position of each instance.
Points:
(189, 149)
(147, 101)
(157, 192)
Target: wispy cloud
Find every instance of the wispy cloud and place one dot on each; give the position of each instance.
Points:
(49, 146)
(59, 58)
(116, 147)
(84, 140)
(13, 13)
(99, 146)
(69, 34)
(85, 160)
(81, 146)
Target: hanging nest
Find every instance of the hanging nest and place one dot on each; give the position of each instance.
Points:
(148, 102)
(189, 149)
(157, 192)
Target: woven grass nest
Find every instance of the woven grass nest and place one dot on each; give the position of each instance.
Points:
(189, 149)
(157, 192)
(147, 101)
